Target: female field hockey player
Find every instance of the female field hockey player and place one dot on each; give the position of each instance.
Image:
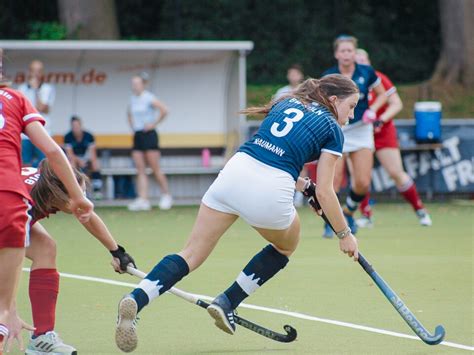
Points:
(358, 135)
(258, 184)
(17, 116)
(49, 196)
(387, 150)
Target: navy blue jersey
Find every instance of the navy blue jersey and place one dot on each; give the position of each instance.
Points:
(79, 147)
(293, 134)
(365, 78)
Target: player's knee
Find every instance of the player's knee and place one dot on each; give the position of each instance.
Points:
(48, 249)
(192, 258)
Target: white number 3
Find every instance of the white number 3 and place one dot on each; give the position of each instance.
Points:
(298, 115)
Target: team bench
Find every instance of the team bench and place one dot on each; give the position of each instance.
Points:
(188, 179)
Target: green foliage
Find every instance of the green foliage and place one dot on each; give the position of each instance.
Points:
(402, 36)
(47, 31)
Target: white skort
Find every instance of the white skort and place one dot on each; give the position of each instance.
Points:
(258, 193)
(357, 137)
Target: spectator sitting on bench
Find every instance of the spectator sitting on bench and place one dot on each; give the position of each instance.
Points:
(81, 151)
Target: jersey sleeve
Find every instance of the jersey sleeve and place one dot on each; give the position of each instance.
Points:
(334, 141)
(90, 138)
(387, 84)
(29, 113)
(372, 79)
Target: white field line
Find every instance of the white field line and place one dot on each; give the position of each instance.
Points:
(277, 311)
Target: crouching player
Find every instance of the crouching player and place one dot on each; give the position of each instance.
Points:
(258, 184)
(49, 196)
(387, 151)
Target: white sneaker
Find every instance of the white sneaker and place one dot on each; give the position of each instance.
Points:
(424, 218)
(49, 343)
(365, 222)
(139, 204)
(166, 202)
(126, 332)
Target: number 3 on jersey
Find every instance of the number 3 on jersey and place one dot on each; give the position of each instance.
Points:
(296, 116)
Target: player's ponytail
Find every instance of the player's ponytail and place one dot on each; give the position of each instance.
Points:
(315, 90)
(49, 193)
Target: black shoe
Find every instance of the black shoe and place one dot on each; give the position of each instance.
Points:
(221, 310)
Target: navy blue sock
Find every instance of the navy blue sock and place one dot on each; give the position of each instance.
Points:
(353, 200)
(259, 270)
(164, 275)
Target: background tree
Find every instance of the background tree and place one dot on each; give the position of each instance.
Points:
(456, 61)
(89, 19)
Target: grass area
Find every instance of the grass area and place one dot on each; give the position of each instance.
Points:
(430, 268)
(457, 101)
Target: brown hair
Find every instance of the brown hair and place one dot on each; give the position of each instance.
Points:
(344, 38)
(315, 90)
(296, 66)
(49, 192)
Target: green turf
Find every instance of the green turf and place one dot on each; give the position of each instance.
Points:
(430, 268)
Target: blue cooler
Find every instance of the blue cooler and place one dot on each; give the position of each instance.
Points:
(428, 121)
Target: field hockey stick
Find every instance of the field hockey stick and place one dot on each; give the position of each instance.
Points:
(396, 301)
(268, 333)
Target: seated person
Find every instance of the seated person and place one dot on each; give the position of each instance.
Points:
(81, 151)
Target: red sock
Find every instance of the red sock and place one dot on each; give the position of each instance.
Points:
(364, 206)
(411, 195)
(44, 289)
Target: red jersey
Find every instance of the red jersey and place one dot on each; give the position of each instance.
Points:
(389, 90)
(16, 112)
(30, 176)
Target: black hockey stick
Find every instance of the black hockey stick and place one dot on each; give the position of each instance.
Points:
(268, 333)
(396, 301)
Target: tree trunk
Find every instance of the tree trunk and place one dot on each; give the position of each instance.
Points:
(89, 19)
(456, 62)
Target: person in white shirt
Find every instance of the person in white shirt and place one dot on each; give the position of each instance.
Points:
(295, 77)
(145, 112)
(41, 95)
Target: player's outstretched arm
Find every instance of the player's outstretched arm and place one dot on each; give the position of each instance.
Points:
(97, 227)
(329, 202)
(81, 207)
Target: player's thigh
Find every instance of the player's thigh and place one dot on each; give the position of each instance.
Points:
(153, 159)
(42, 245)
(209, 226)
(285, 241)
(391, 160)
(11, 261)
(362, 162)
(138, 157)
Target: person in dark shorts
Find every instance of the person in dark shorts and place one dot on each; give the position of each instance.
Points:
(82, 153)
(145, 112)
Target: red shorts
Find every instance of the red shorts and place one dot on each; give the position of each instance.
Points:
(387, 137)
(14, 220)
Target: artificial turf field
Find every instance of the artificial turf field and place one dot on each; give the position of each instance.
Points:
(431, 269)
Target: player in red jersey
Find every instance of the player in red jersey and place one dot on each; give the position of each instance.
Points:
(48, 197)
(388, 152)
(17, 116)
